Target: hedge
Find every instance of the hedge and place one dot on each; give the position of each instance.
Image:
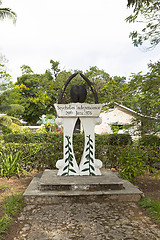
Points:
(36, 155)
(149, 140)
(110, 139)
(33, 138)
(45, 155)
(43, 150)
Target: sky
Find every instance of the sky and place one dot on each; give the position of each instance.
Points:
(78, 33)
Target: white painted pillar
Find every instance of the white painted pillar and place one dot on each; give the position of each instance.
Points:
(67, 165)
(89, 165)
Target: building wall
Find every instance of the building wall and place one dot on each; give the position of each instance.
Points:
(114, 116)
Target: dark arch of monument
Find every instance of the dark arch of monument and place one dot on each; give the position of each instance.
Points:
(68, 81)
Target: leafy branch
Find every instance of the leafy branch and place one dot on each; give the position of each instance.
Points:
(89, 157)
(146, 12)
(69, 158)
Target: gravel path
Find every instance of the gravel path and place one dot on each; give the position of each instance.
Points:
(76, 221)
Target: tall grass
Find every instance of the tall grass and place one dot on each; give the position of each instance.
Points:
(12, 206)
(152, 207)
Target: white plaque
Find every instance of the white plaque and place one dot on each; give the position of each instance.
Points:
(78, 110)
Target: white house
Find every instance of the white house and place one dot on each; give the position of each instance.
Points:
(119, 116)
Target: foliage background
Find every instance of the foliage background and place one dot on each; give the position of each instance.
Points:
(35, 94)
(43, 150)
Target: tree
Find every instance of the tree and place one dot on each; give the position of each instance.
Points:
(55, 68)
(146, 12)
(115, 90)
(7, 13)
(108, 88)
(145, 94)
(5, 78)
(36, 94)
(32, 95)
(26, 70)
(98, 78)
(8, 97)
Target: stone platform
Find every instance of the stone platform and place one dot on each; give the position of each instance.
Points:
(48, 188)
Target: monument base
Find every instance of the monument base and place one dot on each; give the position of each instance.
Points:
(48, 188)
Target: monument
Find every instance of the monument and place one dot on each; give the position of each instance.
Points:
(88, 114)
(83, 182)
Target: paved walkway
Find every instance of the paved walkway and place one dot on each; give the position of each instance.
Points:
(77, 221)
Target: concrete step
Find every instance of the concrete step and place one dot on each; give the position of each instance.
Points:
(49, 181)
(48, 188)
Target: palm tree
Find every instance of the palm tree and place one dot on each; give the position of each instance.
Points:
(7, 13)
(137, 3)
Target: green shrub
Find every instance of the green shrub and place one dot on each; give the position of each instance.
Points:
(36, 155)
(152, 156)
(10, 164)
(5, 120)
(6, 130)
(25, 130)
(131, 163)
(42, 150)
(112, 139)
(45, 149)
(15, 128)
(115, 129)
(41, 130)
(33, 138)
(10, 124)
(134, 161)
(149, 140)
(119, 139)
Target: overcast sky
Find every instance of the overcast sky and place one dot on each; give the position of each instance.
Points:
(77, 33)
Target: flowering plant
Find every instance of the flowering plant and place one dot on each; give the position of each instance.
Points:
(52, 127)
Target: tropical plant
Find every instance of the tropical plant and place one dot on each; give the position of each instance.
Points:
(41, 130)
(10, 164)
(7, 13)
(10, 124)
(131, 162)
(14, 110)
(37, 93)
(115, 129)
(136, 3)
